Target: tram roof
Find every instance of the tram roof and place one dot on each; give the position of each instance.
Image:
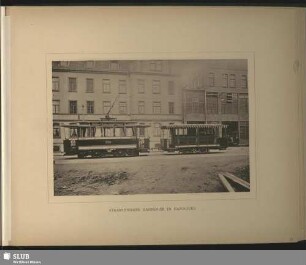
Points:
(104, 124)
(185, 126)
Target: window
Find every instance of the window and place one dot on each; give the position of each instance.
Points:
(212, 103)
(122, 108)
(122, 86)
(73, 107)
(229, 97)
(55, 106)
(244, 130)
(152, 66)
(156, 107)
(141, 86)
(195, 105)
(56, 64)
(229, 103)
(196, 83)
(244, 83)
(243, 104)
(141, 107)
(114, 65)
(157, 131)
(55, 83)
(64, 63)
(91, 131)
(103, 64)
(90, 107)
(106, 106)
(56, 148)
(56, 131)
(232, 81)
(89, 85)
(171, 107)
(195, 102)
(106, 86)
(72, 84)
(225, 80)
(156, 66)
(90, 64)
(156, 86)
(170, 88)
(211, 79)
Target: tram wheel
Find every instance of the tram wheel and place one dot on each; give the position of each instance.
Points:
(80, 156)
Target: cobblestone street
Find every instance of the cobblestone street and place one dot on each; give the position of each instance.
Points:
(156, 173)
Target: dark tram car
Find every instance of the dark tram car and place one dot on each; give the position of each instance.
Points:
(193, 138)
(105, 138)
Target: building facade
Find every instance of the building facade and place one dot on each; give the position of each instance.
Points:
(143, 91)
(219, 94)
(150, 92)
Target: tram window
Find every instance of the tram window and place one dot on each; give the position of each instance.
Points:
(109, 132)
(191, 131)
(91, 132)
(182, 131)
(129, 132)
(141, 131)
(121, 132)
(73, 132)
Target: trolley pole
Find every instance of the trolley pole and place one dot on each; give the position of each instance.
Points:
(205, 106)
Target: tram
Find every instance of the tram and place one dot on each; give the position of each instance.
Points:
(193, 138)
(108, 137)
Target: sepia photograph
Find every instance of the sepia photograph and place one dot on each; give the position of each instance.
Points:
(126, 127)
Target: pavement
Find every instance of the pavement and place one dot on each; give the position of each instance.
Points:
(231, 151)
(147, 174)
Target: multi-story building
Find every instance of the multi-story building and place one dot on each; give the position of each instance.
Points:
(151, 92)
(143, 91)
(218, 93)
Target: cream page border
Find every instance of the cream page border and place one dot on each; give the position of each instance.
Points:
(271, 212)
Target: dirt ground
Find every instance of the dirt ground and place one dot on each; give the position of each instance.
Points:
(153, 174)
